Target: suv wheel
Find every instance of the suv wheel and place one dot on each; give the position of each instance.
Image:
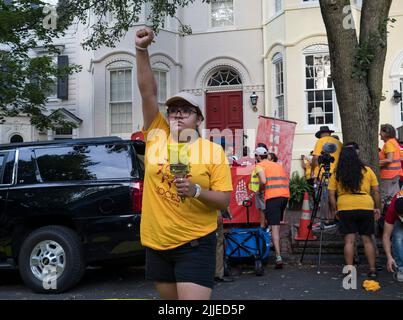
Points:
(51, 260)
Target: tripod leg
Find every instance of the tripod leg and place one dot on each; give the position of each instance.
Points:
(313, 217)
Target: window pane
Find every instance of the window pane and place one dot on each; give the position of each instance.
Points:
(84, 163)
(309, 60)
(328, 107)
(224, 77)
(128, 85)
(114, 86)
(319, 104)
(318, 95)
(9, 168)
(310, 83)
(222, 13)
(26, 168)
(309, 72)
(329, 95)
(121, 117)
(52, 92)
(329, 118)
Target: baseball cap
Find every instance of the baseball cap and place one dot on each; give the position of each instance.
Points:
(189, 98)
(260, 151)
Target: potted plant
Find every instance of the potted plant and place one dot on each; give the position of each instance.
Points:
(298, 186)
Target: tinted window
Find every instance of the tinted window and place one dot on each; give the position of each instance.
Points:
(8, 169)
(84, 162)
(3, 157)
(26, 167)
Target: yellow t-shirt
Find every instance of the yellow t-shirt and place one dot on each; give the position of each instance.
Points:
(166, 221)
(361, 201)
(308, 169)
(318, 149)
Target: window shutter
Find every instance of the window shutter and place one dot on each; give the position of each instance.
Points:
(63, 82)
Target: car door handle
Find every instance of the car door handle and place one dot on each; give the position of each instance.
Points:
(28, 195)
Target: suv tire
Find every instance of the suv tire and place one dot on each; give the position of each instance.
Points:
(51, 246)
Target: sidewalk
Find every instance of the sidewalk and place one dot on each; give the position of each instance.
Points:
(301, 282)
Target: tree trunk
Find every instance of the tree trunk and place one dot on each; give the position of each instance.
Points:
(358, 86)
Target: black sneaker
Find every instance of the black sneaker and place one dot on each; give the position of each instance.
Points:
(372, 275)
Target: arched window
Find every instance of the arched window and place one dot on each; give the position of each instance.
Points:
(224, 77)
(16, 138)
(120, 97)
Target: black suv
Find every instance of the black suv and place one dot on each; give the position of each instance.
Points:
(68, 203)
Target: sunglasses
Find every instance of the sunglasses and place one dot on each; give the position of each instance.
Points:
(185, 111)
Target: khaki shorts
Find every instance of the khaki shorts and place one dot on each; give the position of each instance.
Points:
(259, 201)
(389, 187)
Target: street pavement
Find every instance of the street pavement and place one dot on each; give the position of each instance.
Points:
(294, 282)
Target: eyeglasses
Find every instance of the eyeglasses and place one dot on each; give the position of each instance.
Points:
(185, 111)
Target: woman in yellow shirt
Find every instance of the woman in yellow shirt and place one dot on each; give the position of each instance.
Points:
(179, 213)
(358, 203)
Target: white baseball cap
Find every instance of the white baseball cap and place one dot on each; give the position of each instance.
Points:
(261, 151)
(189, 98)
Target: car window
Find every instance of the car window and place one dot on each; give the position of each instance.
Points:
(94, 162)
(8, 168)
(26, 167)
(2, 161)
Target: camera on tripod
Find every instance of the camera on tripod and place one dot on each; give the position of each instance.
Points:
(325, 158)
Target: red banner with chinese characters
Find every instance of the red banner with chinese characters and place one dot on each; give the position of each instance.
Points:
(278, 135)
(240, 182)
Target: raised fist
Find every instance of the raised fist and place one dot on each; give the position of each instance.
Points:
(144, 37)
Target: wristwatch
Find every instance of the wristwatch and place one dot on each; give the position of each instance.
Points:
(198, 191)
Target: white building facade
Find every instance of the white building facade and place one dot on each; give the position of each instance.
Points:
(276, 49)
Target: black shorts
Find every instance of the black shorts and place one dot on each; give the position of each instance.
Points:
(192, 262)
(353, 221)
(274, 211)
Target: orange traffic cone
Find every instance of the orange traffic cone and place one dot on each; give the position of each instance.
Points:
(305, 221)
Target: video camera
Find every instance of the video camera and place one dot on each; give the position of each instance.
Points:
(325, 157)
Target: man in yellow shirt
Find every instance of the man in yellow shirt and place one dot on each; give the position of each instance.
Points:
(324, 136)
(179, 212)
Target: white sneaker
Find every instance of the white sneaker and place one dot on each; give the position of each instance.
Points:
(399, 276)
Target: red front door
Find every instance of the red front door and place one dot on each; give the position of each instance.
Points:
(224, 110)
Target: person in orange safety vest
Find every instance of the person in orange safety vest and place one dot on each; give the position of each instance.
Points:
(276, 195)
(389, 162)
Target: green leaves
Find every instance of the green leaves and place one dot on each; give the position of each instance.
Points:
(363, 60)
(25, 79)
(298, 186)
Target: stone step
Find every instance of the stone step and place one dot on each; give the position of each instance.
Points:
(332, 243)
